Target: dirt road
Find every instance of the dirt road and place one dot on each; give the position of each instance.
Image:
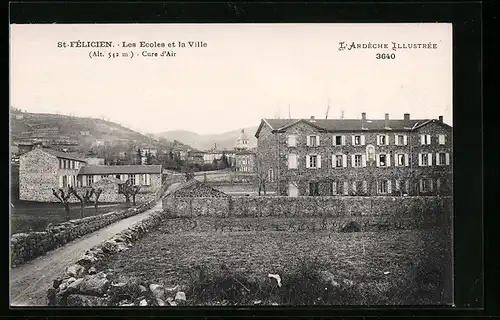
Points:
(29, 282)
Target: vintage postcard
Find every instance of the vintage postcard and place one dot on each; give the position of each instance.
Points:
(161, 165)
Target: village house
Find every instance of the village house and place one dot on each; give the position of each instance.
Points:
(311, 157)
(245, 161)
(42, 169)
(195, 156)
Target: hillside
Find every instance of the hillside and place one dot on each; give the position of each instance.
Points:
(85, 131)
(226, 140)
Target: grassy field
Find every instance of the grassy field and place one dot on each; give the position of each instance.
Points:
(393, 267)
(29, 216)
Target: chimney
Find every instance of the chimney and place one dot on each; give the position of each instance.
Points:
(363, 116)
(407, 116)
(441, 119)
(242, 130)
(386, 116)
(312, 117)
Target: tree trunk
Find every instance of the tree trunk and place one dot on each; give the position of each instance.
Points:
(260, 187)
(133, 199)
(82, 207)
(127, 200)
(66, 209)
(96, 204)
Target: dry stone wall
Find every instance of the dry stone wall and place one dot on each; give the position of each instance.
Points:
(27, 246)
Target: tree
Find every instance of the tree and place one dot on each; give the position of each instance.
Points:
(97, 194)
(138, 157)
(63, 197)
(149, 158)
(128, 190)
(260, 174)
(83, 195)
(189, 175)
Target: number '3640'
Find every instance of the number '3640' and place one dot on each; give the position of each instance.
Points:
(385, 56)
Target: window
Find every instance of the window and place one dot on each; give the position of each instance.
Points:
(77, 165)
(117, 176)
(442, 139)
(382, 186)
(382, 160)
(292, 161)
(338, 140)
(313, 188)
(425, 159)
(381, 140)
(132, 179)
(270, 175)
(400, 140)
(441, 159)
(65, 181)
(400, 160)
(357, 140)
(313, 141)
(339, 161)
(64, 164)
(292, 141)
(425, 185)
(313, 161)
(425, 139)
(357, 160)
(60, 163)
(90, 180)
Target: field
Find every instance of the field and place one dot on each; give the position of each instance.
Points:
(29, 216)
(392, 267)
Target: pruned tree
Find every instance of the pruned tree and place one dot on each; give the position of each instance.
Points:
(129, 191)
(63, 197)
(189, 175)
(83, 195)
(97, 194)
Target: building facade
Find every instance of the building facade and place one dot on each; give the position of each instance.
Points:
(309, 157)
(245, 161)
(41, 170)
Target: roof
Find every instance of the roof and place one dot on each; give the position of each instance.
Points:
(64, 155)
(121, 169)
(350, 124)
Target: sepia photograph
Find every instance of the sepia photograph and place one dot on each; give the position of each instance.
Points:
(221, 165)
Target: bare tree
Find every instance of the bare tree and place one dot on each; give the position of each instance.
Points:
(260, 175)
(129, 190)
(83, 195)
(97, 194)
(63, 197)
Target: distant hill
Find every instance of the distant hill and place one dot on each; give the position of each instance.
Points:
(85, 131)
(226, 140)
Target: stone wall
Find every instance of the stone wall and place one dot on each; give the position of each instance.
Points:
(27, 246)
(416, 208)
(83, 284)
(38, 174)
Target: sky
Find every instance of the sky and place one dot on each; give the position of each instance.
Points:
(246, 72)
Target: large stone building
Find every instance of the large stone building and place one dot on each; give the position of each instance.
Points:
(42, 169)
(244, 158)
(356, 157)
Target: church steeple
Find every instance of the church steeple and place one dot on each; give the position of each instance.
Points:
(242, 141)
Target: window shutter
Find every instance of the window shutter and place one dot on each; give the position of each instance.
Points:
(137, 179)
(334, 187)
(308, 161)
(428, 139)
(397, 184)
(396, 160)
(354, 186)
(387, 139)
(430, 159)
(333, 140)
(405, 139)
(334, 161)
(419, 159)
(422, 139)
(148, 179)
(289, 161)
(407, 185)
(430, 185)
(346, 188)
(388, 159)
(84, 181)
(396, 142)
(365, 186)
(308, 140)
(378, 140)
(343, 140)
(363, 160)
(438, 184)
(319, 161)
(353, 141)
(421, 185)
(442, 139)
(353, 164)
(317, 140)
(363, 140)
(344, 160)
(406, 159)
(447, 155)
(437, 159)
(389, 186)
(378, 160)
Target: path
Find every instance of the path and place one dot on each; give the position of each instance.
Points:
(29, 282)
